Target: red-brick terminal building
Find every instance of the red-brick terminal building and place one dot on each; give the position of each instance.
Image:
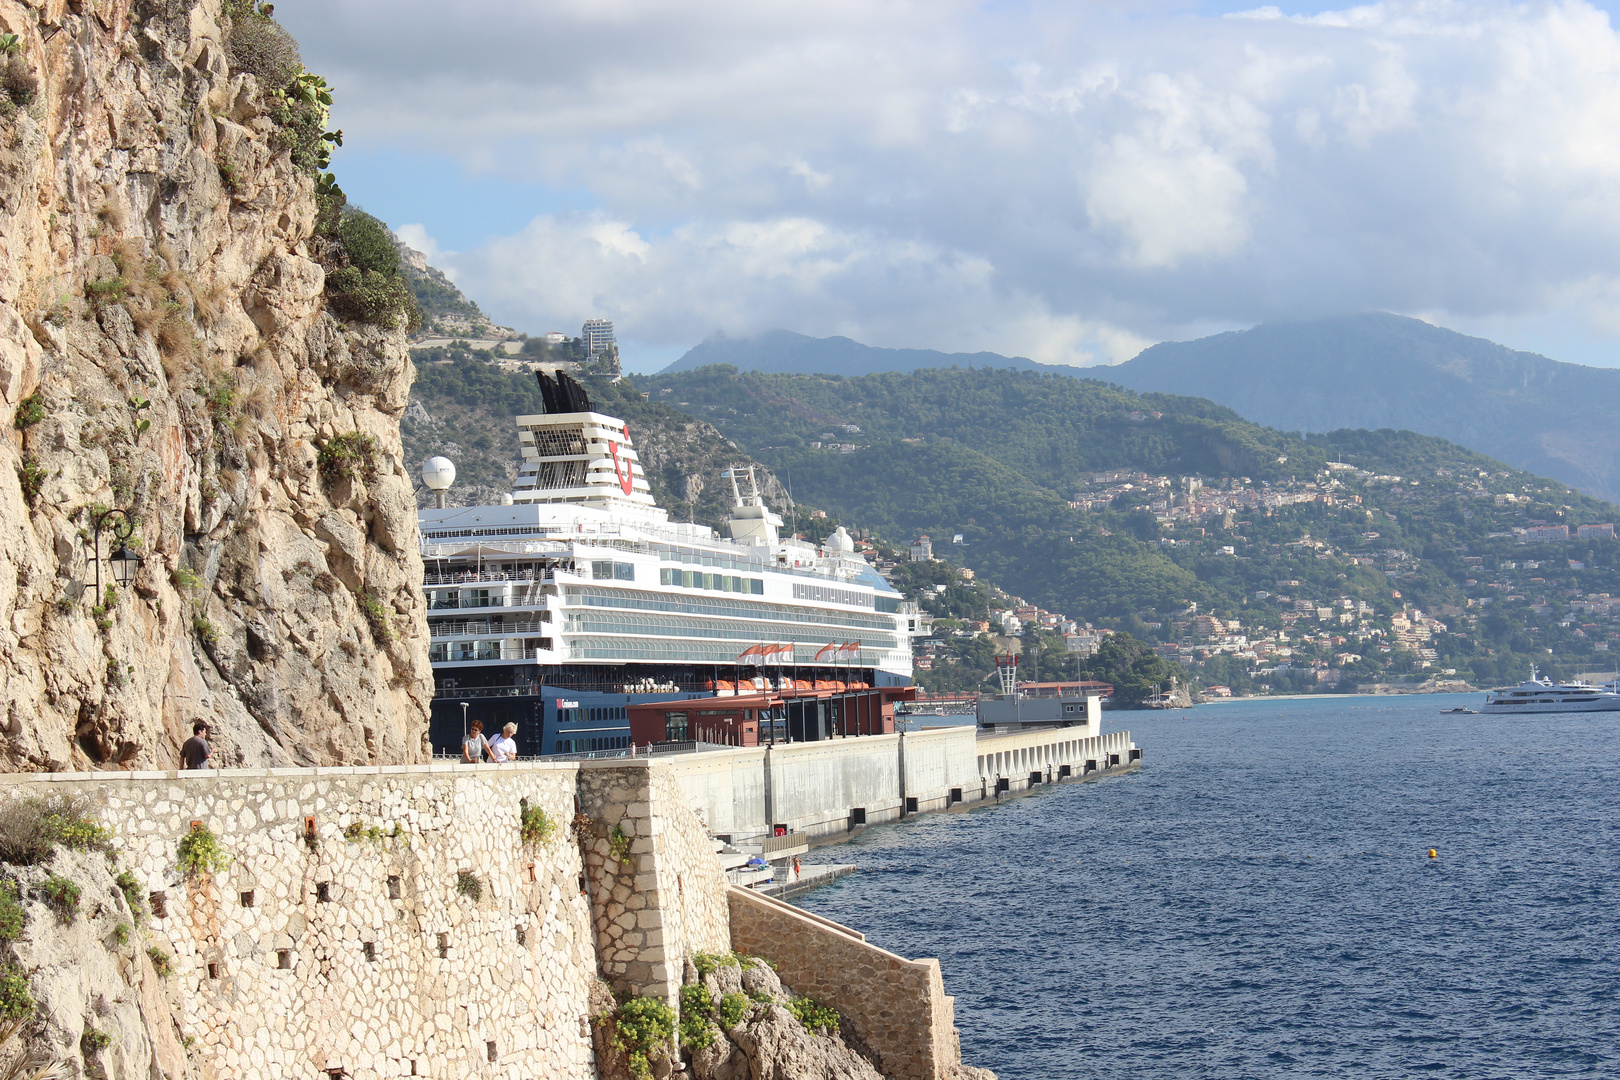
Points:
(757, 719)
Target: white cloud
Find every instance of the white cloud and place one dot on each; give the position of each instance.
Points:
(1061, 180)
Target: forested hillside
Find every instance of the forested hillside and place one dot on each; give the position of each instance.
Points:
(1134, 510)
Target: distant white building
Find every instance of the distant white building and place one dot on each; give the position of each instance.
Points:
(922, 549)
(597, 336)
(556, 337)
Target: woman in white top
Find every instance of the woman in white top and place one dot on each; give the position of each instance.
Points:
(503, 747)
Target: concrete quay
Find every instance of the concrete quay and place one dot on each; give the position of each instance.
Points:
(827, 789)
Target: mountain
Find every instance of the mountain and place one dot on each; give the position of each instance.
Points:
(783, 350)
(1384, 371)
(1140, 511)
(446, 310)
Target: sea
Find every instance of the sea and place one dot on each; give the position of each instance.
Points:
(1259, 900)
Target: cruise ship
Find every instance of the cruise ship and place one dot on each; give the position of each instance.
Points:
(577, 597)
(1538, 695)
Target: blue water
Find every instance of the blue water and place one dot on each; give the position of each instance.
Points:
(1258, 901)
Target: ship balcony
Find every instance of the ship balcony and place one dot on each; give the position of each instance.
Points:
(486, 652)
(458, 603)
(462, 577)
(470, 628)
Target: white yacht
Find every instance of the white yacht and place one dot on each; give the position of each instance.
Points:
(1539, 695)
(577, 596)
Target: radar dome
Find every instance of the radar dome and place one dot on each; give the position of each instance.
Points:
(839, 541)
(438, 473)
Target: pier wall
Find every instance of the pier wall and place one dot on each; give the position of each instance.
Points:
(823, 788)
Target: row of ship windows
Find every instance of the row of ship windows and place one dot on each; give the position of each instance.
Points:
(596, 715)
(697, 579)
(725, 609)
(665, 626)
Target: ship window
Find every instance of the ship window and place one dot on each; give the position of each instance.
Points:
(601, 570)
(759, 587)
(623, 571)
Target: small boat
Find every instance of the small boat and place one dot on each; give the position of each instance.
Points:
(1469, 712)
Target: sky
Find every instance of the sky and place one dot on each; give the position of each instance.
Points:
(1070, 182)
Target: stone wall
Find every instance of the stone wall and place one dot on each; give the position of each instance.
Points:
(392, 921)
(898, 1007)
(359, 950)
(658, 896)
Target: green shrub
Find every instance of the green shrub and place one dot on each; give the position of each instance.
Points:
(31, 829)
(708, 963)
(106, 292)
(161, 963)
(20, 82)
(92, 1042)
(367, 296)
(31, 477)
(468, 885)
(642, 1029)
(221, 399)
(257, 44)
(199, 852)
(121, 933)
(62, 895)
(206, 631)
(12, 44)
(816, 1017)
(368, 243)
(30, 411)
(185, 579)
(16, 1003)
(376, 616)
(13, 917)
(537, 826)
(734, 1007)
(131, 888)
(619, 843)
(697, 1009)
(347, 457)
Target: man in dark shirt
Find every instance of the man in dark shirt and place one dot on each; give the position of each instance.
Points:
(196, 751)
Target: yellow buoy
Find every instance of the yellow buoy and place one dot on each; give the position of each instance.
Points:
(1433, 854)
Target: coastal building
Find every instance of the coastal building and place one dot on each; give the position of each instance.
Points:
(597, 337)
(922, 549)
(577, 598)
(1595, 532)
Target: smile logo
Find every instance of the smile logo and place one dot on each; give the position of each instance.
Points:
(621, 470)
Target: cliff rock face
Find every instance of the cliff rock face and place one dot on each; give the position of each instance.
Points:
(165, 350)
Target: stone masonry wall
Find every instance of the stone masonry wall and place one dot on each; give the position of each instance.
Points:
(898, 1007)
(666, 897)
(284, 983)
(391, 921)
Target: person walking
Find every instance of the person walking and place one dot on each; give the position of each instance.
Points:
(503, 748)
(194, 754)
(797, 870)
(475, 748)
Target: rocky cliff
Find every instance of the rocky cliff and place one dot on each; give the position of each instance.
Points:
(167, 350)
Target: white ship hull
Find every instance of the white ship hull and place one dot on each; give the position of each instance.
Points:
(1538, 696)
(1604, 703)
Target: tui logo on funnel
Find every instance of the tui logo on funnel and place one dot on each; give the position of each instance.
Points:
(622, 471)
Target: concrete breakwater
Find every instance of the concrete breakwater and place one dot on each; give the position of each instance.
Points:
(827, 788)
(395, 921)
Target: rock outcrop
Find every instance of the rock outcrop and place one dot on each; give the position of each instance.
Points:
(166, 350)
